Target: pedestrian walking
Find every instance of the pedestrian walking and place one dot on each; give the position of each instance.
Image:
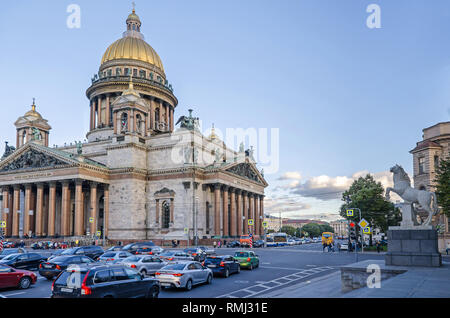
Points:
(214, 244)
(378, 246)
(218, 244)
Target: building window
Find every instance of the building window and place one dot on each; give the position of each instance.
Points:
(165, 215)
(124, 122)
(118, 71)
(126, 71)
(436, 163)
(135, 72)
(157, 115)
(421, 165)
(142, 73)
(109, 73)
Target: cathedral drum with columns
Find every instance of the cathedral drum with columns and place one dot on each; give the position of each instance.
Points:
(136, 177)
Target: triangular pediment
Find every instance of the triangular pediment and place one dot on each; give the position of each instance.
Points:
(246, 170)
(30, 158)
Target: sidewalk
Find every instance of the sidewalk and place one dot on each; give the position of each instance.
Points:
(417, 282)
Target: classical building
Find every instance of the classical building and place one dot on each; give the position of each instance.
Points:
(426, 155)
(340, 227)
(136, 177)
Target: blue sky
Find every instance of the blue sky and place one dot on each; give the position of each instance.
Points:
(345, 98)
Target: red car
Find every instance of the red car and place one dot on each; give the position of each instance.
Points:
(11, 277)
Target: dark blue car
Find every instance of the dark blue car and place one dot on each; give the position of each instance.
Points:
(222, 265)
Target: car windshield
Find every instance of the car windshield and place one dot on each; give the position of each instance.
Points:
(174, 267)
(127, 247)
(214, 259)
(71, 279)
(188, 250)
(8, 252)
(60, 259)
(11, 257)
(241, 254)
(69, 251)
(109, 254)
(133, 258)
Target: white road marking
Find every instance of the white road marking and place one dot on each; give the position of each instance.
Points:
(13, 294)
(287, 268)
(278, 281)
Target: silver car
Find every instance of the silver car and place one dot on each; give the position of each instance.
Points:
(175, 255)
(184, 274)
(114, 256)
(144, 264)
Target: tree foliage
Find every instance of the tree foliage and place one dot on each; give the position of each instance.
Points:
(289, 230)
(442, 180)
(368, 195)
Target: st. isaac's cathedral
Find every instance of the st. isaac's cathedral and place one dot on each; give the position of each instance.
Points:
(136, 177)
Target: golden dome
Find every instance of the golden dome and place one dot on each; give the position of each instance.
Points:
(134, 49)
(33, 112)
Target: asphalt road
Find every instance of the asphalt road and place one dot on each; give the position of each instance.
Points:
(279, 267)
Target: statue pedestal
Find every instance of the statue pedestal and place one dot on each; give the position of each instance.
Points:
(417, 246)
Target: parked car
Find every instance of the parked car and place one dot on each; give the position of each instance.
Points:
(114, 248)
(133, 247)
(104, 281)
(184, 274)
(234, 244)
(55, 254)
(154, 250)
(113, 256)
(12, 277)
(247, 259)
(175, 255)
(91, 251)
(197, 253)
(258, 243)
(9, 251)
(23, 260)
(144, 264)
(342, 246)
(51, 269)
(222, 265)
(290, 242)
(208, 250)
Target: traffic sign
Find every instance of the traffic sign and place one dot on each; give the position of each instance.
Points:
(99, 233)
(363, 223)
(250, 222)
(91, 220)
(366, 230)
(265, 224)
(3, 224)
(186, 230)
(350, 212)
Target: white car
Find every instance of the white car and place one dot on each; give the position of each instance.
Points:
(291, 242)
(342, 246)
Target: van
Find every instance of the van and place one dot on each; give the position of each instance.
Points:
(245, 240)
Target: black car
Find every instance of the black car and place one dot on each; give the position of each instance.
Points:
(134, 247)
(222, 265)
(28, 261)
(197, 254)
(54, 254)
(92, 251)
(104, 281)
(258, 243)
(9, 251)
(52, 268)
(233, 244)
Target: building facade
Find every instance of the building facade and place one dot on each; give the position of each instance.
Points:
(340, 227)
(426, 155)
(137, 176)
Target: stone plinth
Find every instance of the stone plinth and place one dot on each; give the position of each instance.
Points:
(413, 247)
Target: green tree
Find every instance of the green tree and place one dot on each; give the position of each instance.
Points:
(368, 195)
(326, 228)
(289, 230)
(442, 180)
(313, 229)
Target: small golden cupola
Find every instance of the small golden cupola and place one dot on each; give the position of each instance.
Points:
(31, 127)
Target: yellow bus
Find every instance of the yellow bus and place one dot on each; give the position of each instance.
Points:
(327, 238)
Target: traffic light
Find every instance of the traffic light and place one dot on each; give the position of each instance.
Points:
(352, 232)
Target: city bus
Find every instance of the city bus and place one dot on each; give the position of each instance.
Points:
(327, 238)
(280, 238)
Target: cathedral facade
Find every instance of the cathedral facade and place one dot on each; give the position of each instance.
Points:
(137, 176)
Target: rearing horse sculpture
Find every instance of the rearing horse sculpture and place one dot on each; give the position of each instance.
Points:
(402, 186)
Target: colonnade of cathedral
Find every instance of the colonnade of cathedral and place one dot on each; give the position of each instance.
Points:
(56, 208)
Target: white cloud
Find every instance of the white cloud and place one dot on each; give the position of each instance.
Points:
(292, 175)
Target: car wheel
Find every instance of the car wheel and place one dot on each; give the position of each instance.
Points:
(209, 279)
(227, 273)
(153, 292)
(251, 266)
(189, 285)
(25, 282)
(239, 269)
(144, 272)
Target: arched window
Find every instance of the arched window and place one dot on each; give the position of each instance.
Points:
(134, 27)
(24, 137)
(124, 122)
(165, 214)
